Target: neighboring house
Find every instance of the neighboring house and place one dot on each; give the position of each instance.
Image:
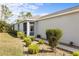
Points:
(67, 20)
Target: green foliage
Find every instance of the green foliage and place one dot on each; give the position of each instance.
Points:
(20, 35)
(28, 14)
(6, 12)
(13, 33)
(53, 36)
(4, 27)
(27, 41)
(31, 37)
(75, 53)
(23, 16)
(33, 49)
(41, 41)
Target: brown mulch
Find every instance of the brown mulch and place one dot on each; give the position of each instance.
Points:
(45, 50)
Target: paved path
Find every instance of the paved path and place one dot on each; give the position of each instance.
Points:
(71, 49)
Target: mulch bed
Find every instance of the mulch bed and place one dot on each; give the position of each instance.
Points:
(45, 50)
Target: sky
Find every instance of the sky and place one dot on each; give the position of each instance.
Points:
(37, 8)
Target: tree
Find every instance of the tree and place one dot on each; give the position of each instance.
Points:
(5, 12)
(28, 14)
(4, 27)
(24, 16)
(20, 17)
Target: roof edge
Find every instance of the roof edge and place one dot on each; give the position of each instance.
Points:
(62, 12)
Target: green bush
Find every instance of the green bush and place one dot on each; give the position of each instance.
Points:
(75, 53)
(13, 33)
(27, 41)
(33, 49)
(41, 41)
(53, 36)
(4, 27)
(32, 38)
(20, 35)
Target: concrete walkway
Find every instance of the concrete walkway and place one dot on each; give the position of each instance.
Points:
(71, 49)
(65, 47)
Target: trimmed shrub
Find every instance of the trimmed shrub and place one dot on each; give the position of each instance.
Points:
(75, 53)
(20, 35)
(41, 41)
(53, 36)
(32, 38)
(27, 41)
(33, 49)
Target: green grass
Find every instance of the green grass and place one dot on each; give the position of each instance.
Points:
(10, 46)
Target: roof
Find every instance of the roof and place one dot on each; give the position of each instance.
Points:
(31, 19)
(60, 13)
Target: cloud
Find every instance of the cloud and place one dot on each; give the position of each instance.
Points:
(40, 14)
(14, 4)
(39, 4)
(33, 7)
(43, 14)
(16, 8)
(23, 7)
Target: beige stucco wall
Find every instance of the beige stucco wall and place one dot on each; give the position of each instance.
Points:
(16, 27)
(68, 23)
(21, 27)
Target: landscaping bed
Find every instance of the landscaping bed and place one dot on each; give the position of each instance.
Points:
(34, 47)
(45, 50)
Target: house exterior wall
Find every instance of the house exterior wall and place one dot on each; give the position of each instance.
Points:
(69, 24)
(16, 27)
(21, 27)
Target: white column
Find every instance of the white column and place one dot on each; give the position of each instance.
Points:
(28, 28)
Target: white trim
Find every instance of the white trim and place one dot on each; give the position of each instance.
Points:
(28, 28)
(64, 12)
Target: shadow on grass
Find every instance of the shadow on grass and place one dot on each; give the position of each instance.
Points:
(13, 35)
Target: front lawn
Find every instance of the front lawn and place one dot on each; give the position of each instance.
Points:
(10, 46)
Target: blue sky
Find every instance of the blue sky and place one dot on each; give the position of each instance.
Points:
(38, 8)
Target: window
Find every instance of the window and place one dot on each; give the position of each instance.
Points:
(31, 28)
(25, 27)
